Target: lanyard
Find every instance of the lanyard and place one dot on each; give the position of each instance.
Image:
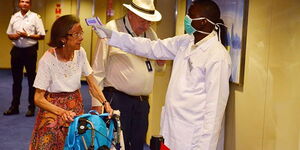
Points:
(128, 31)
(148, 63)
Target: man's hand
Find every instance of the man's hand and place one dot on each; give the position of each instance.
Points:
(102, 31)
(23, 34)
(161, 62)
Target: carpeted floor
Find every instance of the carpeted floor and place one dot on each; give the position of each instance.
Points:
(15, 130)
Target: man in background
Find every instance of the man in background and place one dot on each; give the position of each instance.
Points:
(126, 79)
(25, 29)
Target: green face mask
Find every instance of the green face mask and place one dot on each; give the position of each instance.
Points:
(189, 29)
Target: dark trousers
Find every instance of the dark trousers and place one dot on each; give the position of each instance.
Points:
(134, 116)
(20, 58)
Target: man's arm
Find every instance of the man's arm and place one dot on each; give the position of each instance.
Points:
(40, 30)
(10, 33)
(217, 87)
(13, 36)
(25, 35)
(99, 69)
(36, 37)
(160, 49)
(160, 65)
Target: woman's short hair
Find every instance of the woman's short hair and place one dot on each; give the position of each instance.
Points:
(60, 29)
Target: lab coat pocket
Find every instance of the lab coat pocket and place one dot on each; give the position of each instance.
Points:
(183, 134)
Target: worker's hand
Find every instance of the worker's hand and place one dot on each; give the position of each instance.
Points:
(102, 31)
(68, 115)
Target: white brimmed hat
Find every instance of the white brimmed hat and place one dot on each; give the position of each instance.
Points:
(144, 9)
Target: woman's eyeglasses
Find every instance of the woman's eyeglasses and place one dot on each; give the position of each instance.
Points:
(76, 35)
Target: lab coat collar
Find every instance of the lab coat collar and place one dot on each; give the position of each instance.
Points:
(205, 42)
(202, 45)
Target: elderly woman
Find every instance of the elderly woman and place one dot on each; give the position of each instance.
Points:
(57, 84)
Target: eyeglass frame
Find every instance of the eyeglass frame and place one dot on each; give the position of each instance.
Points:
(76, 35)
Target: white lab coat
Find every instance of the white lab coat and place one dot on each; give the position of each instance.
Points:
(198, 89)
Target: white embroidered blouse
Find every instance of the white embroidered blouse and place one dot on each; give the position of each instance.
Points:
(57, 76)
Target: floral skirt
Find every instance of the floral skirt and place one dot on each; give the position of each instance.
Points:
(50, 130)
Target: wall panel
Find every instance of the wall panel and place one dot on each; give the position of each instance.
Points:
(5, 43)
(263, 114)
(282, 121)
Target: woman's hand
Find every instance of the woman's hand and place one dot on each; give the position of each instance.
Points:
(108, 108)
(68, 115)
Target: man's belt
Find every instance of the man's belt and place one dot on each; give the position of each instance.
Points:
(141, 98)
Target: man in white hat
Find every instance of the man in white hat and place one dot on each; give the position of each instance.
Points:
(127, 79)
